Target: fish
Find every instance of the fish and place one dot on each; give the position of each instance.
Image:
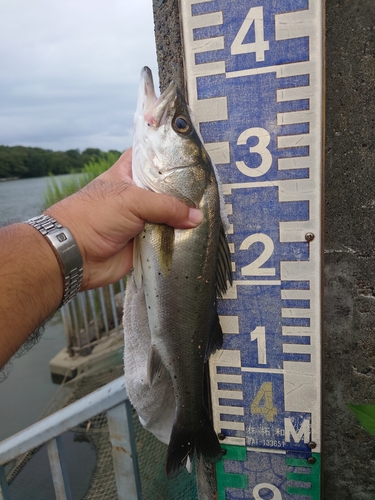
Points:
(182, 272)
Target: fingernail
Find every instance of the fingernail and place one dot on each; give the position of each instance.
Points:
(195, 216)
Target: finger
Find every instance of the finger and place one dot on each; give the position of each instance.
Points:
(164, 209)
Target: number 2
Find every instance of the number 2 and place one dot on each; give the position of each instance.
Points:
(254, 269)
(271, 487)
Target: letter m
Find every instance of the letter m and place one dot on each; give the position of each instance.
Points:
(302, 433)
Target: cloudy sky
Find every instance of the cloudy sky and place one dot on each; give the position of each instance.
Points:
(69, 71)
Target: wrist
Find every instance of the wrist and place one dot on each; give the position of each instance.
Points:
(66, 252)
(30, 285)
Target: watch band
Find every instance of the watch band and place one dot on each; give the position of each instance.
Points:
(66, 251)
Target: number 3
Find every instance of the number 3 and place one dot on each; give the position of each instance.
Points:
(260, 148)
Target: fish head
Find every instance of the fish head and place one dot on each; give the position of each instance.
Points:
(168, 154)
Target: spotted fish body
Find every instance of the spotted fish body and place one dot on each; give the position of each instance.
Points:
(180, 271)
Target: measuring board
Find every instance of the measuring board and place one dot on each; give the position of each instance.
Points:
(254, 82)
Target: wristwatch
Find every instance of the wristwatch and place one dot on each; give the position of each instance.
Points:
(66, 251)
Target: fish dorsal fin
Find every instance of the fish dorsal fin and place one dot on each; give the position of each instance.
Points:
(155, 369)
(215, 340)
(224, 265)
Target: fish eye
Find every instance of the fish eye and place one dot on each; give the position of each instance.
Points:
(181, 125)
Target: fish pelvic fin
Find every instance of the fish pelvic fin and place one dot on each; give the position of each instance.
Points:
(155, 369)
(224, 264)
(185, 441)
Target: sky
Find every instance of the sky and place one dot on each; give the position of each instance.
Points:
(69, 71)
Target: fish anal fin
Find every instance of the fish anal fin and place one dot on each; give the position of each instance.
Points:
(224, 264)
(156, 369)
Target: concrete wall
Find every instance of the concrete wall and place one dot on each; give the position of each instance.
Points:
(349, 458)
(168, 42)
(349, 246)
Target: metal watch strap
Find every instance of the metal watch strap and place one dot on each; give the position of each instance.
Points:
(66, 250)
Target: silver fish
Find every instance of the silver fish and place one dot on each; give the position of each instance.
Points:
(181, 271)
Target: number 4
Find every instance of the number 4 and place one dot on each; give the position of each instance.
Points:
(260, 45)
(268, 410)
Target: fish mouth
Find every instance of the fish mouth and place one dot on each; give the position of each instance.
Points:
(155, 109)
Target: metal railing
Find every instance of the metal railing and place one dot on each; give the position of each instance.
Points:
(111, 399)
(91, 316)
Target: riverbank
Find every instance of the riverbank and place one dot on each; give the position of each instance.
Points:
(26, 162)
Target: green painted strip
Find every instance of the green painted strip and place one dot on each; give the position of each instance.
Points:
(227, 480)
(313, 492)
(316, 473)
(302, 491)
(297, 462)
(234, 452)
(295, 476)
(313, 479)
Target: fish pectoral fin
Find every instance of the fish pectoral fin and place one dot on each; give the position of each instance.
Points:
(224, 264)
(155, 369)
(215, 340)
(137, 263)
(166, 241)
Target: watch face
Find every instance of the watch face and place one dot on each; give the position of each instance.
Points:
(61, 237)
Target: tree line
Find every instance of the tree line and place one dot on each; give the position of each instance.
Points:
(22, 162)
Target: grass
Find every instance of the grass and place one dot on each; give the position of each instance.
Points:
(60, 188)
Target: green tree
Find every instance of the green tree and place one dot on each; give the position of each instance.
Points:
(57, 189)
(21, 161)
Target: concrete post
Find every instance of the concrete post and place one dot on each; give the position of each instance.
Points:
(349, 452)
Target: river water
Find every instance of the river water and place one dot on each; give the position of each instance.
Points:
(28, 388)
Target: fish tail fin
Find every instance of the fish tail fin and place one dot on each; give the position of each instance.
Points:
(186, 440)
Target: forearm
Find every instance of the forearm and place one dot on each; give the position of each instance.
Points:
(31, 285)
(103, 219)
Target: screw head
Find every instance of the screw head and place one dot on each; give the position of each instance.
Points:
(309, 236)
(311, 460)
(311, 445)
(221, 436)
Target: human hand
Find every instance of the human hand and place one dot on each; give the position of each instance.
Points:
(105, 216)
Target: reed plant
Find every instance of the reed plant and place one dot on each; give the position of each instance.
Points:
(57, 189)
(60, 187)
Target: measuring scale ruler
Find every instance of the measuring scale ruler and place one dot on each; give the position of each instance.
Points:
(254, 81)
